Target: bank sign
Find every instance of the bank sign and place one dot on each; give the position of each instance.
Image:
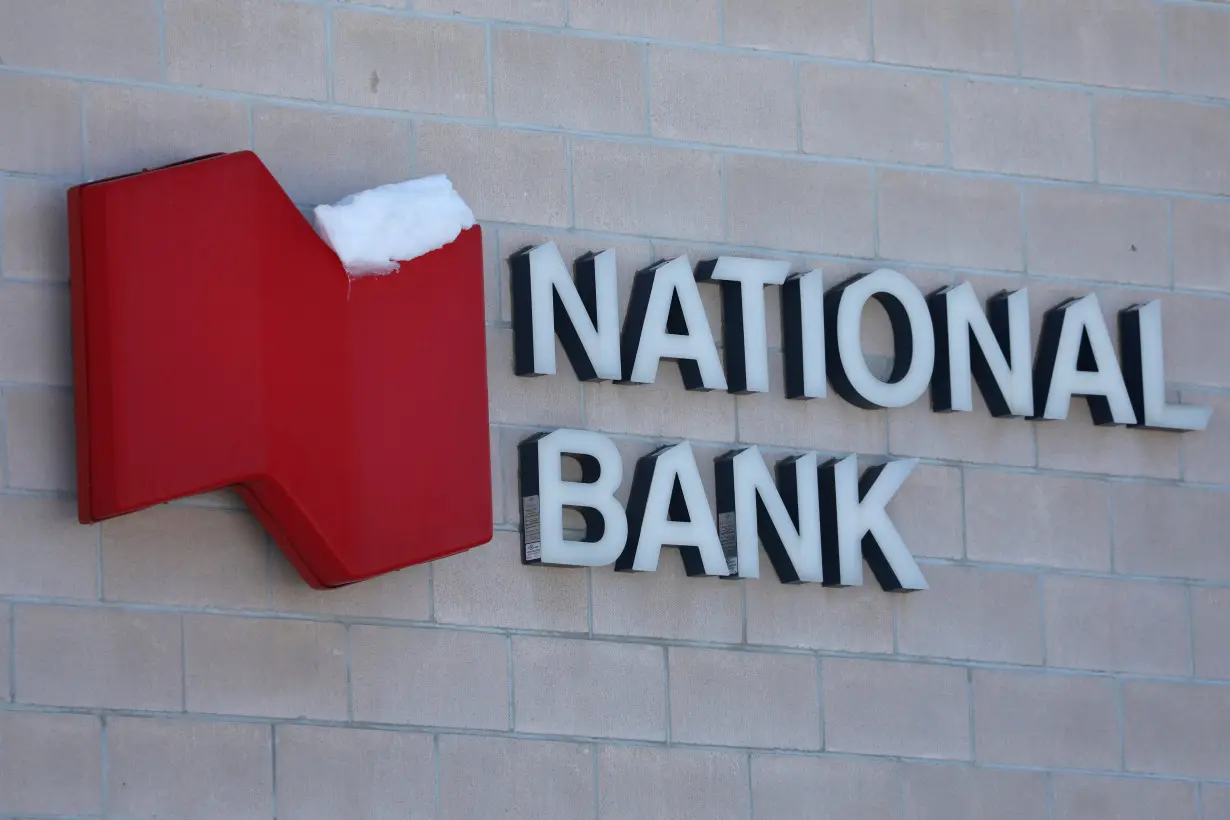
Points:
(819, 520)
(218, 342)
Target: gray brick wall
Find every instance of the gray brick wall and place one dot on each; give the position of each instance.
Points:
(1071, 659)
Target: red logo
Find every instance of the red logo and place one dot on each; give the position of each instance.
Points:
(217, 341)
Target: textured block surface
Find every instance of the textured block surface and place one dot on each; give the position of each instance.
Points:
(1070, 659)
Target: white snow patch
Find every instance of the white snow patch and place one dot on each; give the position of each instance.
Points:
(373, 230)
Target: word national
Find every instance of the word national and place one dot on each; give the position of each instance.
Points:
(817, 521)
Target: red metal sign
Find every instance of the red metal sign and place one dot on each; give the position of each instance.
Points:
(218, 342)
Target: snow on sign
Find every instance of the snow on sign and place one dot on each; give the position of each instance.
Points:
(818, 521)
(373, 231)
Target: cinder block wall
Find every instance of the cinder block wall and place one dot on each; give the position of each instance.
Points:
(1072, 659)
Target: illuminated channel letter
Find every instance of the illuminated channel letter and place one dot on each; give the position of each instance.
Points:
(744, 332)
(803, 335)
(668, 507)
(1144, 371)
(993, 347)
(785, 516)
(913, 342)
(856, 526)
(666, 320)
(1077, 358)
(545, 494)
(585, 313)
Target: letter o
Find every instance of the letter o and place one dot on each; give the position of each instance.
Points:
(913, 340)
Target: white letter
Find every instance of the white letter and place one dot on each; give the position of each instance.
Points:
(1077, 358)
(666, 320)
(803, 335)
(1144, 370)
(958, 318)
(545, 494)
(913, 342)
(584, 313)
(668, 507)
(744, 334)
(856, 526)
(785, 516)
